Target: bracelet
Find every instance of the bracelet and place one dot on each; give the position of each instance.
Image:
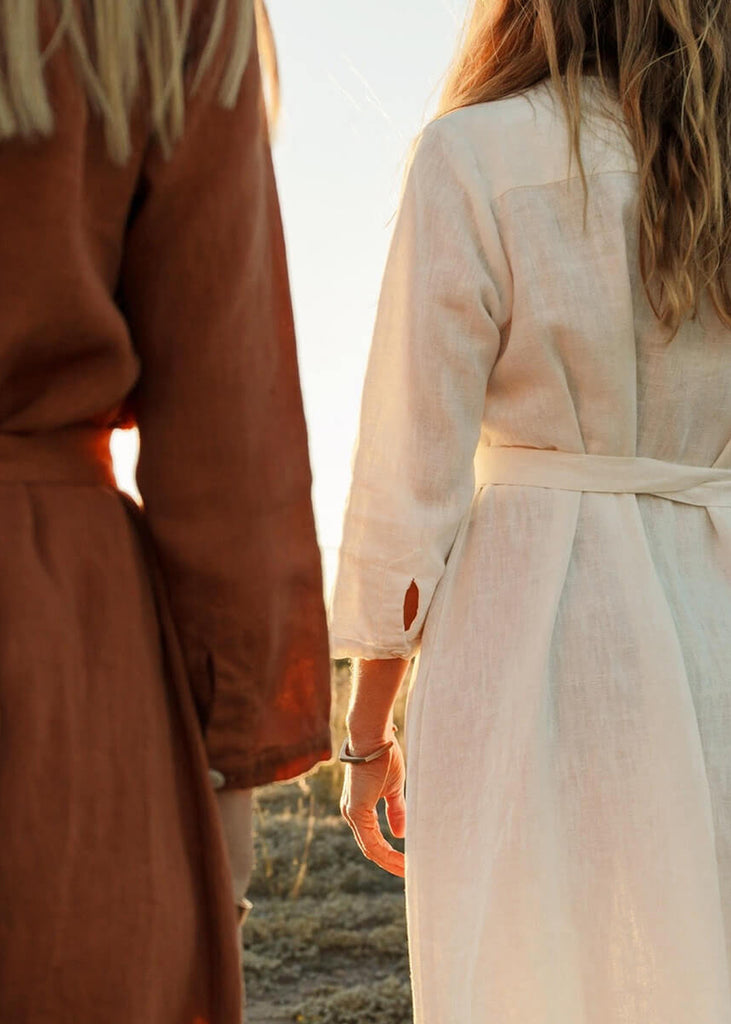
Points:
(348, 758)
(243, 909)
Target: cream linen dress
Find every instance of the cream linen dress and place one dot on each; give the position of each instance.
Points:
(568, 732)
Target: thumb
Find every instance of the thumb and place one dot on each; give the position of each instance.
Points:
(396, 813)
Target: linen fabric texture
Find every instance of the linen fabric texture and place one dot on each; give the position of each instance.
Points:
(568, 837)
(141, 646)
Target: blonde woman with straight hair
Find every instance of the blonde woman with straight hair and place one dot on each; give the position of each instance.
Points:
(540, 513)
(157, 661)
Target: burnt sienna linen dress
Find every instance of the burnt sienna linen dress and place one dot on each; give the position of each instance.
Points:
(139, 649)
(556, 478)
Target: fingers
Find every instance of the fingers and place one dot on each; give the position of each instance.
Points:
(396, 814)
(394, 796)
(368, 835)
(363, 787)
(344, 812)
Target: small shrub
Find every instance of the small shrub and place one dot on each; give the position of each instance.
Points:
(387, 1002)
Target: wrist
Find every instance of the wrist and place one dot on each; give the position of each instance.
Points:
(363, 741)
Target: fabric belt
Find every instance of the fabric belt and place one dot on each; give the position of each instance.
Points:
(709, 486)
(69, 455)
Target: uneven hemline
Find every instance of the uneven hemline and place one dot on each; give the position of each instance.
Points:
(278, 766)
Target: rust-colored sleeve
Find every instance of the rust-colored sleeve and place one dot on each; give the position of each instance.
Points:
(224, 469)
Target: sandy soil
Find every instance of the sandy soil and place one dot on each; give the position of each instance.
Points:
(326, 941)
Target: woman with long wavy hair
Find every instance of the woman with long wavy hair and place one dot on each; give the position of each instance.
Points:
(159, 661)
(541, 511)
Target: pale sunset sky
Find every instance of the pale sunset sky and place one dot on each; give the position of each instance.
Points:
(358, 83)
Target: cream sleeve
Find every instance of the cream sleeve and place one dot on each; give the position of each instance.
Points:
(437, 335)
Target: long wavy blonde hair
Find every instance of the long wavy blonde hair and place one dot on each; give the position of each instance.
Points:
(669, 64)
(112, 40)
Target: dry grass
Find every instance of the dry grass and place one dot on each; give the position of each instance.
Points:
(326, 942)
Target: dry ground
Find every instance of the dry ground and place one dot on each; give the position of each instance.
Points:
(326, 941)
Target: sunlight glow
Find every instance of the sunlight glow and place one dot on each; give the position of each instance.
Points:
(125, 446)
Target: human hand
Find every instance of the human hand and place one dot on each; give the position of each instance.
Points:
(235, 808)
(363, 787)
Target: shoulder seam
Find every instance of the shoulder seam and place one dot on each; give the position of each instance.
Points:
(559, 181)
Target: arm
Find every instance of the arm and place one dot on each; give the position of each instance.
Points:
(444, 300)
(376, 685)
(445, 297)
(370, 725)
(224, 470)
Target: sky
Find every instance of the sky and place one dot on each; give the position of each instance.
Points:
(358, 83)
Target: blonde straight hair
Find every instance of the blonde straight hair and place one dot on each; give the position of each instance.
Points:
(110, 43)
(669, 63)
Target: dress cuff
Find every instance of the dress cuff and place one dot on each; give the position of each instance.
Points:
(280, 765)
(260, 723)
(367, 608)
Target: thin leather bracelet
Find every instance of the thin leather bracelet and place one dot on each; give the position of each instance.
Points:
(347, 758)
